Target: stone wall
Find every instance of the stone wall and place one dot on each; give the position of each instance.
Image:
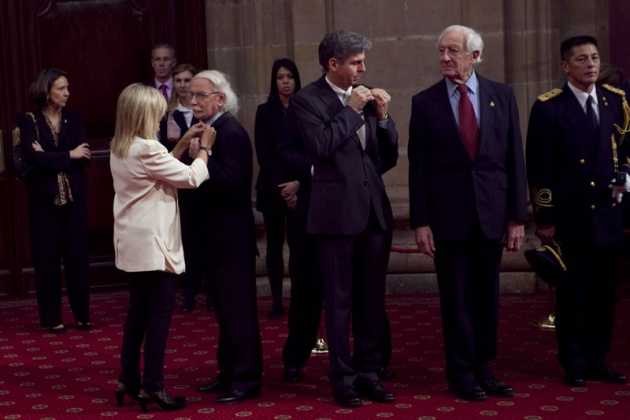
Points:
(521, 48)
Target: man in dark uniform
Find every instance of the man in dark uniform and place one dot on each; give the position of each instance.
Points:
(573, 153)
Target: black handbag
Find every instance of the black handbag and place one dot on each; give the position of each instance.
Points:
(22, 168)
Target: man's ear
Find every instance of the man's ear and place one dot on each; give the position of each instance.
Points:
(475, 56)
(333, 65)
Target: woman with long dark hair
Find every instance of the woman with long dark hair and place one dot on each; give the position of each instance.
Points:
(272, 187)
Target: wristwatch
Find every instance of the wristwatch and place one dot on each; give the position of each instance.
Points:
(207, 150)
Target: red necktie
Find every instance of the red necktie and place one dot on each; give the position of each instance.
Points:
(163, 89)
(468, 122)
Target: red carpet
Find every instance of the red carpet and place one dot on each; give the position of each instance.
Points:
(72, 376)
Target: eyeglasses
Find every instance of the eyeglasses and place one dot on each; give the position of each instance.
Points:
(200, 95)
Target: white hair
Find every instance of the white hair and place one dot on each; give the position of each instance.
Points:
(221, 84)
(472, 37)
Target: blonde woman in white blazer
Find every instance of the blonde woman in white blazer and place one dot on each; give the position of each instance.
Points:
(147, 239)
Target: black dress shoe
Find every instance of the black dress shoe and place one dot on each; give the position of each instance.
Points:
(292, 374)
(385, 373)
(469, 391)
(347, 397)
(216, 386)
(375, 392)
(496, 388)
(84, 326)
(574, 378)
(187, 306)
(234, 395)
(606, 374)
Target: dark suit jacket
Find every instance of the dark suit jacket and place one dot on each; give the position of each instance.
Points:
(296, 164)
(227, 225)
(56, 158)
(569, 170)
(446, 189)
(346, 180)
(268, 129)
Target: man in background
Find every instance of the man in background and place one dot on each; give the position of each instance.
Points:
(163, 60)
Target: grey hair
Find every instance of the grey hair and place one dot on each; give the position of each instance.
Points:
(472, 37)
(340, 45)
(165, 46)
(221, 84)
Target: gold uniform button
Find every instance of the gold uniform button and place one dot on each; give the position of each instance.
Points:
(582, 161)
(592, 184)
(592, 206)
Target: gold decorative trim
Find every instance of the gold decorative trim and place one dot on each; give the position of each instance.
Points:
(548, 95)
(541, 198)
(614, 89)
(626, 112)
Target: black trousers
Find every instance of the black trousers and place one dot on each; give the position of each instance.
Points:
(60, 233)
(585, 305)
(151, 303)
(307, 297)
(354, 271)
(307, 300)
(275, 220)
(468, 280)
(239, 355)
(193, 243)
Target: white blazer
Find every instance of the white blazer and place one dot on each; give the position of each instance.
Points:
(147, 235)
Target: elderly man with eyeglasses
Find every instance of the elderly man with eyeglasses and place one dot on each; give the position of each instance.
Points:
(226, 234)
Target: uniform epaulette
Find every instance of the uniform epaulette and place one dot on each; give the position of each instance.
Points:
(551, 94)
(614, 89)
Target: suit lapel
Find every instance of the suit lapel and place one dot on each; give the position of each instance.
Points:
(329, 97)
(487, 102)
(334, 105)
(443, 113)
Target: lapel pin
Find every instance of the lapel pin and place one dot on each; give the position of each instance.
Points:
(491, 104)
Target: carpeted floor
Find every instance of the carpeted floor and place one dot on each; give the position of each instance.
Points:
(72, 376)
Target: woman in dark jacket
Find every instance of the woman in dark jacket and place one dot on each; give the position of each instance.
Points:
(55, 145)
(271, 186)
